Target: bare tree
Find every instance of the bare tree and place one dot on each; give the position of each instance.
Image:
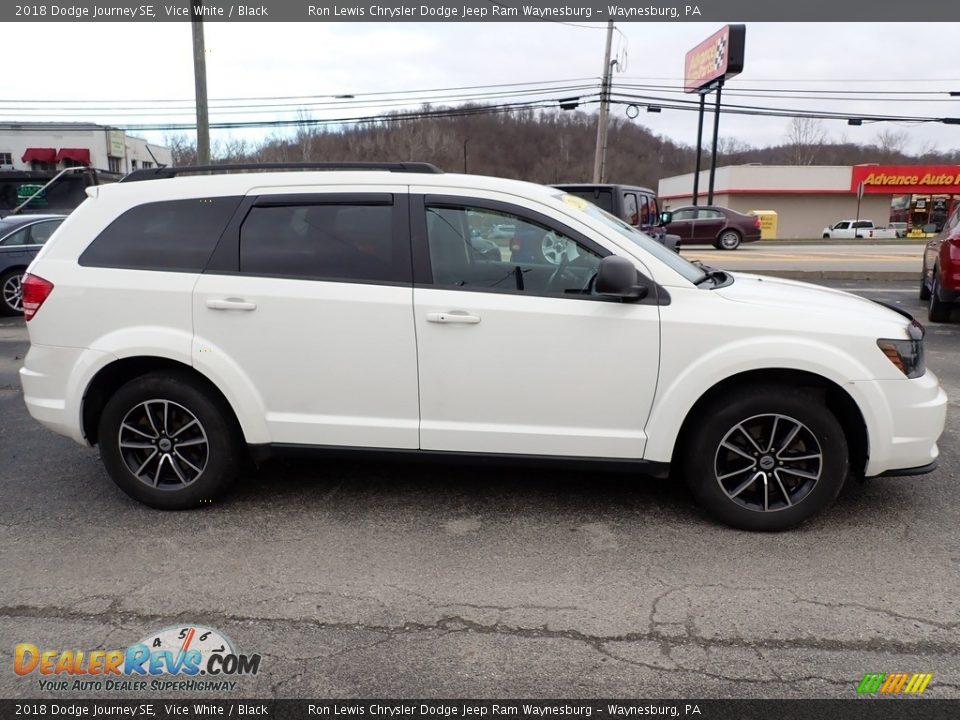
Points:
(805, 138)
(183, 149)
(891, 143)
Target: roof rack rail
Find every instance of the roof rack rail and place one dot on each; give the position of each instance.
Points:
(169, 172)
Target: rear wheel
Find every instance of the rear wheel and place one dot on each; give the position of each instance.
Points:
(11, 293)
(729, 240)
(168, 442)
(938, 311)
(766, 458)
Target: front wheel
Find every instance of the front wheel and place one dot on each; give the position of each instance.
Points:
(924, 290)
(11, 293)
(765, 458)
(729, 240)
(938, 311)
(168, 442)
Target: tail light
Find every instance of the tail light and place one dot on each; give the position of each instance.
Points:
(35, 291)
(756, 222)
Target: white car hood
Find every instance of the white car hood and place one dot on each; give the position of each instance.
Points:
(806, 297)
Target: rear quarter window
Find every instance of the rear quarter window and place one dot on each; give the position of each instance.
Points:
(173, 236)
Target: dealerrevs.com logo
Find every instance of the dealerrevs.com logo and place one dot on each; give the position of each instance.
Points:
(183, 658)
(894, 683)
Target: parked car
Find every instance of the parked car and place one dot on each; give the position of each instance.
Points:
(637, 206)
(394, 337)
(859, 229)
(940, 278)
(21, 237)
(721, 227)
(900, 228)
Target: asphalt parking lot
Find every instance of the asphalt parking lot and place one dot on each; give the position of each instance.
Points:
(384, 580)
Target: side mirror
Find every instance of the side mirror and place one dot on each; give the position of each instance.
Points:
(666, 218)
(617, 277)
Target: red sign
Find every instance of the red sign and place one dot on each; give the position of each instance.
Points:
(906, 179)
(717, 58)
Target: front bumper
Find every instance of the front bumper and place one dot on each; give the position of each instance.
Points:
(904, 421)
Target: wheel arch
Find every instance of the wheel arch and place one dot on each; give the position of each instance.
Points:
(114, 375)
(837, 400)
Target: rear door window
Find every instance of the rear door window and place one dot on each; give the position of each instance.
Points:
(335, 242)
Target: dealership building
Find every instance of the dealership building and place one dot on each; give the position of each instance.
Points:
(50, 146)
(807, 198)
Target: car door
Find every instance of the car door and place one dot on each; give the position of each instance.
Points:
(519, 357)
(309, 295)
(681, 223)
(931, 252)
(40, 232)
(708, 225)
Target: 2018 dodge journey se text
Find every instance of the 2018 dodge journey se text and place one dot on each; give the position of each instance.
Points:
(183, 321)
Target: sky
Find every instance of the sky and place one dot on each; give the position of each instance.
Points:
(139, 61)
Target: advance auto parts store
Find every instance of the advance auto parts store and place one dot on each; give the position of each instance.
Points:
(808, 198)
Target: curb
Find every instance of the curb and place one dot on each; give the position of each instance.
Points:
(848, 241)
(882, 275)
(820, 241)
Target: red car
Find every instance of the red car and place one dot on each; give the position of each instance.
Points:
(940, 280)
(721, 227)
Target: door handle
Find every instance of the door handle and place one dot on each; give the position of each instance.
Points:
(231, 304)
(454, 316)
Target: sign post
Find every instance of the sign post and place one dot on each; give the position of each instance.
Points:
(859, 198)
(706, 67)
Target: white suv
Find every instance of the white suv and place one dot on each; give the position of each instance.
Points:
(190, 320)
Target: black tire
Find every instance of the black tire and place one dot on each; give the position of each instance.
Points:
(213, 445)
(777, 410)
(729, 239)
(938, 310)
(924, 290)
(11, 300)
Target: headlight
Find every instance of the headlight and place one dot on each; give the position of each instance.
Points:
(907, 355)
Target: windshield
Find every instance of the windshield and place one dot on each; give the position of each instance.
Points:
(687, 269)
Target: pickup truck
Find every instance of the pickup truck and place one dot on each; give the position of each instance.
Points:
(859, 229)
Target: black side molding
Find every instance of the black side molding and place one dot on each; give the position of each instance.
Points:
(907, 472)
(263, 452)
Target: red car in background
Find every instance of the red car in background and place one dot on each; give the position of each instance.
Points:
(721, 227)
(940, 280)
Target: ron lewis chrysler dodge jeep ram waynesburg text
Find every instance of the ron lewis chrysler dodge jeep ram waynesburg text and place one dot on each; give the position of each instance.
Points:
(182, 320)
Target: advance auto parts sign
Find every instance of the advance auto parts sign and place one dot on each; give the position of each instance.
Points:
(904, 179)
(717, 58)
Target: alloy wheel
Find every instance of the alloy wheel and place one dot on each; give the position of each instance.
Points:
(13, 293)
(729, 240)
(768, 462)
(554, 248)
(163, 444)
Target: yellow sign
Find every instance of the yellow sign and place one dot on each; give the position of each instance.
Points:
(768, 223)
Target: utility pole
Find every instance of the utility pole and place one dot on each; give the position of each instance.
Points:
(200, 87)
(600, 158)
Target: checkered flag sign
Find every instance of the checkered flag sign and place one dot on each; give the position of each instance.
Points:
(721, 51)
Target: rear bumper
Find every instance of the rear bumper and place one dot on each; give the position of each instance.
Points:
(54, 380)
